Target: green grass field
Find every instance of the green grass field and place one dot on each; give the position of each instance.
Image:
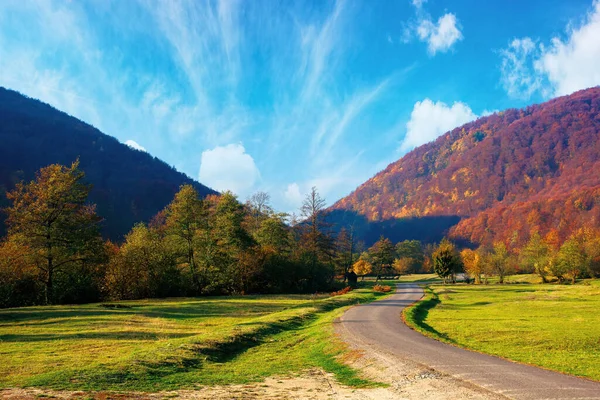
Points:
(551, 326)
(173, 344)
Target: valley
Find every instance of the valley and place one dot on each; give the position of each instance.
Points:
(320, 200)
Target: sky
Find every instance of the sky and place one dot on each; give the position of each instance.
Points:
(281, 96)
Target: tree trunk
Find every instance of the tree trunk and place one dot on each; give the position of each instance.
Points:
(192, 263)
(50, 283)
(50, 266)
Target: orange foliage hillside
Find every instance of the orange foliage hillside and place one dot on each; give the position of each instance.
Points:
(503, 175)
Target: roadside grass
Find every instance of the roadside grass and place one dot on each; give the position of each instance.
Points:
(552, 326)
(154, 345)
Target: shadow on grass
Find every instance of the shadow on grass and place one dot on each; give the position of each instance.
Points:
(192, 310)
(119, 335)
(417, 316)
(225, 351)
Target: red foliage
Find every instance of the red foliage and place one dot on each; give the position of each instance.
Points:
(504, 174)
(382, 288)
(345, 290)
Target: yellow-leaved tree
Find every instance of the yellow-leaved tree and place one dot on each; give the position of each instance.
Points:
(362, 268)
(51, 218)
(472, 263)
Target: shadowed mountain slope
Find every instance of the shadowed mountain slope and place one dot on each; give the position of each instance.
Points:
(129, 186)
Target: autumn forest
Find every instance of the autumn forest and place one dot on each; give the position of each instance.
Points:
(517, 192)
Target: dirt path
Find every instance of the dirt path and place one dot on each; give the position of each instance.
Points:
(406, 382)
(377, 329)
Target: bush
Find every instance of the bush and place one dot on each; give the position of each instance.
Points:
(345, 290)
(382, 288)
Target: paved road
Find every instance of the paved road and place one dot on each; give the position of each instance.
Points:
(378, 326)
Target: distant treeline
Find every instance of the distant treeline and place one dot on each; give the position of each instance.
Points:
(54, 252)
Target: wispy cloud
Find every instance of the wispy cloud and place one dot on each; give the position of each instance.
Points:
(334, 125)
(190, 78)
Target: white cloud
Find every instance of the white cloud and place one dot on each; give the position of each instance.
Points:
(573, 64)
(487, 112)
(292, 195)
(440, 37)
(516, 68)
(560, 68)
(134, 145)
(429, 120)
(229, 168)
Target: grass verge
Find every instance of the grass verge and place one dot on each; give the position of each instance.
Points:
(174, 344)
(552, 326)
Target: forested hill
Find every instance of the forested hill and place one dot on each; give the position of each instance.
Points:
(496, 178)
(129, 186)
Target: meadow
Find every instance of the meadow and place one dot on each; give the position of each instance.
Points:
(552, 326)
(152, 345)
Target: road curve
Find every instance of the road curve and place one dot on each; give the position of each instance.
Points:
(378, 326)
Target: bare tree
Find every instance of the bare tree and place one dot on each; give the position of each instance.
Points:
(259, 207)
(316, 238)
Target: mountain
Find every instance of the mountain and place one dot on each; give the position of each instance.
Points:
(496, 178)
(129, 186)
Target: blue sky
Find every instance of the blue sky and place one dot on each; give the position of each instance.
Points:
(284, 95)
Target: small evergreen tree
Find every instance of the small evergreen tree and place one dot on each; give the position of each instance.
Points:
(445, 260)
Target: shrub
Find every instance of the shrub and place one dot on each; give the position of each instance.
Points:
(345, 290)
(382, 288)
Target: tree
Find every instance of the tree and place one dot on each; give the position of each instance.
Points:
(402, 266)
(144, 266)
(445, 260)
(315, 238)
(500, 261)
(232, 242)
(18, 280)
(273, 234)
(50, 217)
(362, 267)
(571, 259)
(536, 255)
(472, 263)
(592, 250)
(412, 252)
(344, 249)
(382, 254)
(428, 250)
(259, 208)
(185, 218)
